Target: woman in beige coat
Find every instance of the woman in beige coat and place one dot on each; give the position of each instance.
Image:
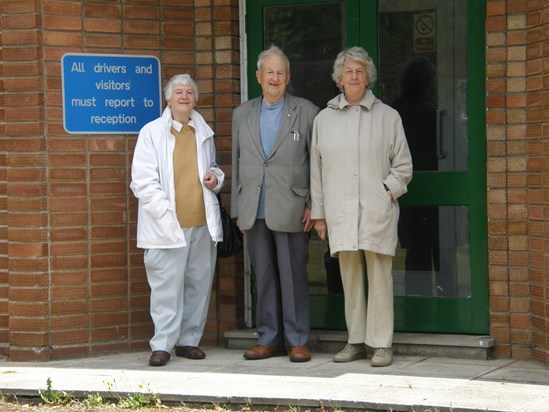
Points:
(360, 166)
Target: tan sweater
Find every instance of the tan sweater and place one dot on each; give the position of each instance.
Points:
(189, 198)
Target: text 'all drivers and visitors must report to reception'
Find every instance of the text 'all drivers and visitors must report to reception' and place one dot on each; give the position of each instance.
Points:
(105, 93)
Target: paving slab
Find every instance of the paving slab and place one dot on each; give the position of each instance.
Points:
(411, 383)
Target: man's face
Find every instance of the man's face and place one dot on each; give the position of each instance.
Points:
(273, 78)
(182, 102)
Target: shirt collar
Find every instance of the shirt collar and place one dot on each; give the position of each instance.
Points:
(178, 126)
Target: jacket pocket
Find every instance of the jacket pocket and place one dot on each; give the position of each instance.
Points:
(301, 191)
(157, 209)
(163, 231)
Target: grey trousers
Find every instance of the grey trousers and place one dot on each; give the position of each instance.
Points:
(279, 261)
(181, 283)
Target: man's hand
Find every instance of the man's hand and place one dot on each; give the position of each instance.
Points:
(321, 228)
(210, 181)
(307, 220)
(238, 224)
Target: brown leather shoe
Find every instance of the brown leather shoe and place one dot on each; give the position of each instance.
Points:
(300, 354)
(159, 358)
(264, 352)
(189, 352)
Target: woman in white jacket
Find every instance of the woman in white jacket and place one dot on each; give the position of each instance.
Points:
(360, 166)
(175, 177)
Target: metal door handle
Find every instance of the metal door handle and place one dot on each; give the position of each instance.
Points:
(441, 141)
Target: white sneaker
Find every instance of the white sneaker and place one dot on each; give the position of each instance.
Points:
(382, 357)
(351, 352)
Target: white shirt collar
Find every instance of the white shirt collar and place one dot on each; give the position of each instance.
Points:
(178, 126)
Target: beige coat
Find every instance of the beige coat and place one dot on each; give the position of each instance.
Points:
(355, 151)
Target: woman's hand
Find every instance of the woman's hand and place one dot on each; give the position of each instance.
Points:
(321, 228)
(210, 181)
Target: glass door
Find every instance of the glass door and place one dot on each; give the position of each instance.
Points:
(430, 61)
(423, 74)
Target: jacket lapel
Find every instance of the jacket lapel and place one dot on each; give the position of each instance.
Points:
(253, 124)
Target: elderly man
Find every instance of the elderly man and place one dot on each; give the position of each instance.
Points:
(270, 199)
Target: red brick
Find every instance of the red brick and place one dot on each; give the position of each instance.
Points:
(69, 322)
(102, 25)
(62, 39)
(100, 40)
(69, 219)
(143, 42)
(63, 23)
(28, 339)
(106, 10)
(69, 337)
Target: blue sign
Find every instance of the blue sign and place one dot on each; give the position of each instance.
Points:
(105, 93)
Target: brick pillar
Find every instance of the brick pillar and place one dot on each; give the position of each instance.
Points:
(227, 83)
(517, 131)
(537, 38)
(26, 188)
(4, 287)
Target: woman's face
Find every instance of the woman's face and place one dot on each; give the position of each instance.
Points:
(354, 81)
(182, 102)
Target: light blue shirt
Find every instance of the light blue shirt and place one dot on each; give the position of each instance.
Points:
(269, 123)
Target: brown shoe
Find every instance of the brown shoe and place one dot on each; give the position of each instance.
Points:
(189, 352)
(264, 352)
(300, 354)
(159, 358)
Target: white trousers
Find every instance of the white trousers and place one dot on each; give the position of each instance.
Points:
(181, 282)
(370, 323)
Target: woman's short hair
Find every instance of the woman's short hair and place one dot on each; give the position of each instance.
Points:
(273, 50)
(358, 54)
(180, 80)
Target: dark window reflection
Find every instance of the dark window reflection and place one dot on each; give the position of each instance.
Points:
(311, 36)
(422, 72)
(433, 257)
(418, 109)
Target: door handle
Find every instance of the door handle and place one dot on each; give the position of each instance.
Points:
(441, 141)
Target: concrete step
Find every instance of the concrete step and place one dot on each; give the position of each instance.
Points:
(408, 344)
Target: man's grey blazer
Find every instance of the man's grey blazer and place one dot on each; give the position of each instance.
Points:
(285, 170)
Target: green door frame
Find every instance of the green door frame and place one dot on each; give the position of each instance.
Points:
(445, 315)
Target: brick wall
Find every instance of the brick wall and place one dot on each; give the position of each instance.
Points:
(516, 98)
(72, 282)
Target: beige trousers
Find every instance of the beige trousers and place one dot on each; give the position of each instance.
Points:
(372, 324)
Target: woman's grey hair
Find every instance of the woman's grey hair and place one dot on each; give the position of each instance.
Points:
(273, 50)
(180, 80)
(358, 54)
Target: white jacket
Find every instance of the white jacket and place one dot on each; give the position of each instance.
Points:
(153, 183)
